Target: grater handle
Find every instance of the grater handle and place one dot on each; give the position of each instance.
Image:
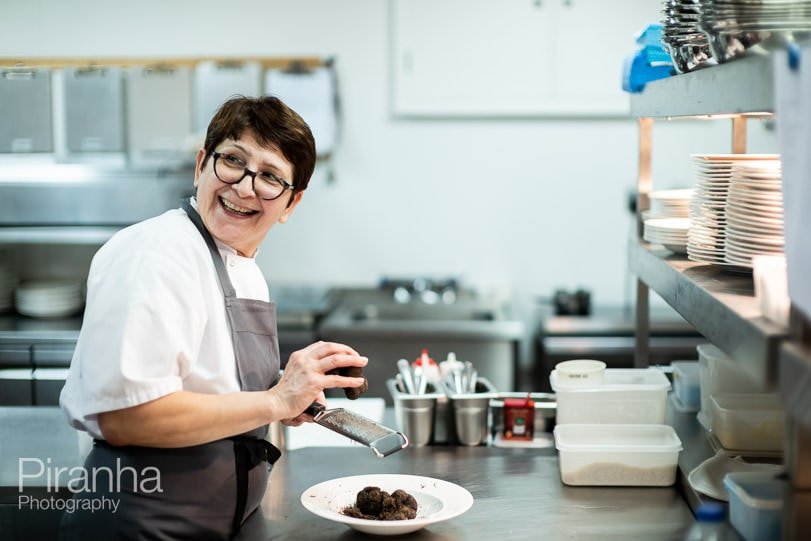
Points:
(314, 409)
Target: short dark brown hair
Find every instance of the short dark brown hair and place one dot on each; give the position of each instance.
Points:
(273, 124)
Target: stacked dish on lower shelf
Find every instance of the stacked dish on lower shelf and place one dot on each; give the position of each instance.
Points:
(667, 222)
(49, 298)
(612, 433)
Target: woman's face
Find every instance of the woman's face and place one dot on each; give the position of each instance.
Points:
(232, 213)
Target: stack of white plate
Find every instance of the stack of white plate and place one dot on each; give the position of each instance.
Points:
(707, 238)
(7, 284)
(670, 203)
(51, 298)
(754, 212)
(670, 232)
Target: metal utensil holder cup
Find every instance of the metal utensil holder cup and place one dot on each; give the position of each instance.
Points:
(442, 416)
(468, 413)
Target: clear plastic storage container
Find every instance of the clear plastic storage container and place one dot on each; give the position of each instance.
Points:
(617, 455)
(627, 396)
(719, 374)
(686, 384)
(755, 503)
(748, 422)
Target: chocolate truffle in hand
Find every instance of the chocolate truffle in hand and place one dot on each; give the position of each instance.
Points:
(352, 393)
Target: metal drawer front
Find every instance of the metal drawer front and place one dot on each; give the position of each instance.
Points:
(48, 383)
(53, 355)
(15, 355)
(25, 110)
(15, 387)
(94, 112)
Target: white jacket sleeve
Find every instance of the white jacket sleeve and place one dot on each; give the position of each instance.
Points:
(142, 329)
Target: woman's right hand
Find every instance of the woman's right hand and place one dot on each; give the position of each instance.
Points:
(305, 377)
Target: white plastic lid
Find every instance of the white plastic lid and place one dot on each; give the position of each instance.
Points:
(620, 379)
(748, 402)
(616, 438)
(708, 351)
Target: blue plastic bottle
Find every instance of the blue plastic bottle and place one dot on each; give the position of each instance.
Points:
(710, 524)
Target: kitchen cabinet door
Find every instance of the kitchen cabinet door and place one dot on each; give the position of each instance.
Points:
(594, 37)
(469, 57)
(513, 57)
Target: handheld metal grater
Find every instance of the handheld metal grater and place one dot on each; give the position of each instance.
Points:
(382, 440)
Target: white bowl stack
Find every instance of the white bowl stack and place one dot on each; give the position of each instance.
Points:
(667, 221)
(669, 232)
(707, 237)
(7, 284)
(49, 298)
(670, 203)
(754, 212)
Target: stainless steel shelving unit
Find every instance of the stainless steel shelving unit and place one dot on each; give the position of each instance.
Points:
(722, 306)
(740, 87)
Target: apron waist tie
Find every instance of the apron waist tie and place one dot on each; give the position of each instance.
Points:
(249, 452)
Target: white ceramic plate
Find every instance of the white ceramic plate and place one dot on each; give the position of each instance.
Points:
(437, 501)
(708, 477)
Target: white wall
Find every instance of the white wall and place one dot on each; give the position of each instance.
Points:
(530, 204)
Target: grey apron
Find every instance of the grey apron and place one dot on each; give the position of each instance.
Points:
(208, 491)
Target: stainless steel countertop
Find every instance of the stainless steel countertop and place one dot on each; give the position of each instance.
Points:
(517, 492)
(517, 495)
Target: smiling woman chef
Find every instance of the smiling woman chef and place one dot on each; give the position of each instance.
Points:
(177, 362)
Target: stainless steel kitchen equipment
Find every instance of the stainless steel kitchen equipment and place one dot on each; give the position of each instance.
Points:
(478, 330)
(34, 357)
(608, 335)
(422, 417)
(299, 310)
(468, 413)
(76, 196)
(25, 110)
(381, 439)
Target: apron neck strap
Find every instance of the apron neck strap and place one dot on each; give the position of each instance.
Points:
(225, 280)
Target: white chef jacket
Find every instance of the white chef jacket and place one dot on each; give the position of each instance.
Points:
(155, 320)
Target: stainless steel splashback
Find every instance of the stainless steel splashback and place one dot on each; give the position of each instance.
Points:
(72, 195)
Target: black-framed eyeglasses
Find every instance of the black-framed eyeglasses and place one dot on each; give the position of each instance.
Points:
(231, 169)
